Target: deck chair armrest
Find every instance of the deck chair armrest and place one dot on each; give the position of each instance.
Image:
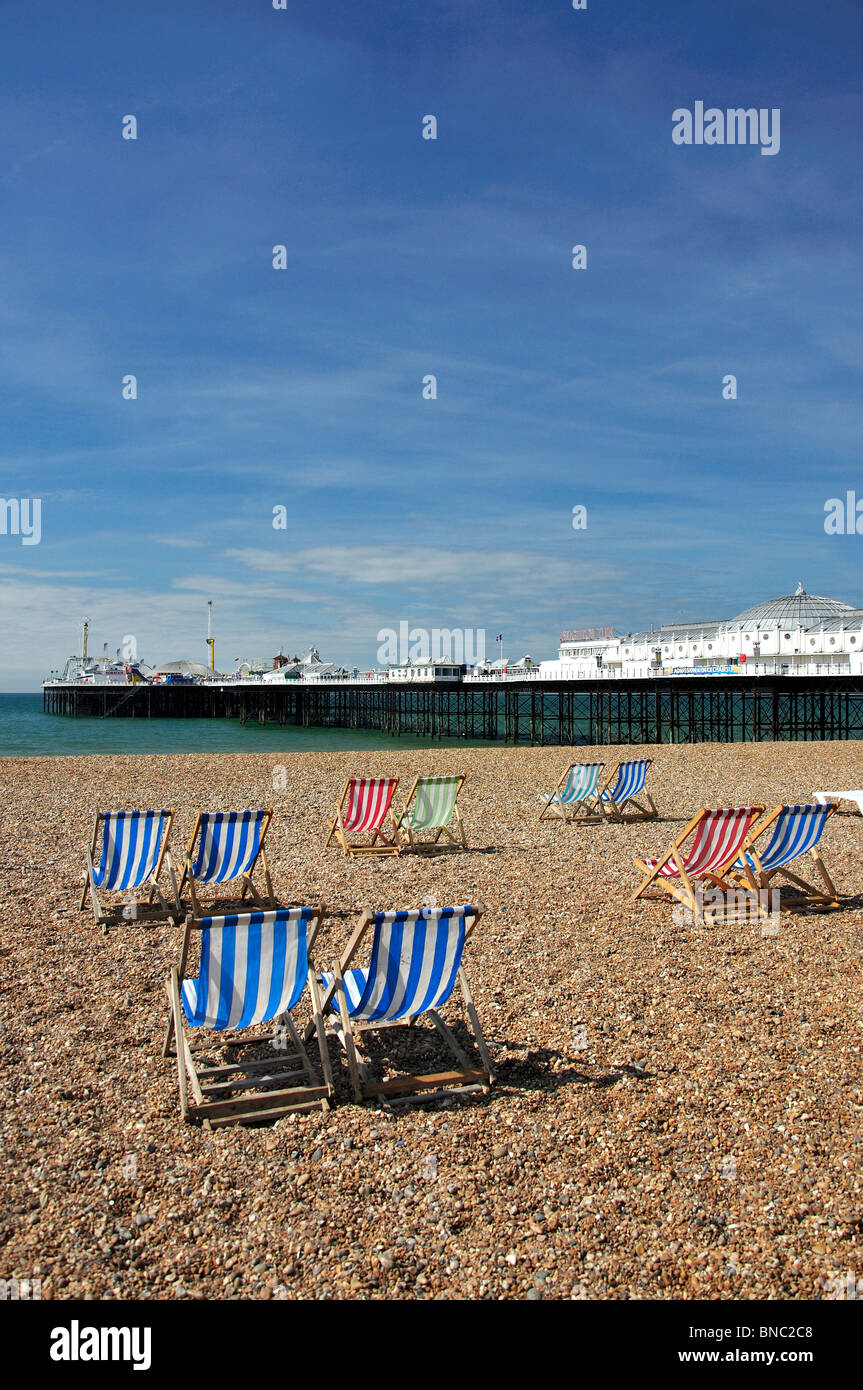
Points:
(313, 932)
(478, 910)
(356, 937)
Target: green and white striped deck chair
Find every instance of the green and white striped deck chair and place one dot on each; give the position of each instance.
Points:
(432, 804)
(575, 793)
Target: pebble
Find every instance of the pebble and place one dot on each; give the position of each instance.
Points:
(605, 1168)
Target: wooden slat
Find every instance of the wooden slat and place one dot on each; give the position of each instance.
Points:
(297, 1095)
(259, 1116)
(242, 1082)
(400, 1084)
(257, 1064)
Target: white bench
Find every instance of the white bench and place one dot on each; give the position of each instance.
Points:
(824, 797)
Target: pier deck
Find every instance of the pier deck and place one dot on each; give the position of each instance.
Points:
(655, 710)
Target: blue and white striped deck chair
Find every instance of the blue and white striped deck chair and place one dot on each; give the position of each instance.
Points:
(797, 830)
(575, 793)
(134, 844)
(253, 969)
(623, 784)
(226, 845)
(416, 959)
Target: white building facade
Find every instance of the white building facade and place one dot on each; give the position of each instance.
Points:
(799, 634)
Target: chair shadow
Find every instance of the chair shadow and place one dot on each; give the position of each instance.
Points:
(540, 1070)
(435, 851)
(417, 1049)
(223, 907)
(118, 917)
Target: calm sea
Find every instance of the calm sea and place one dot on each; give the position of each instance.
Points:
(26, 732)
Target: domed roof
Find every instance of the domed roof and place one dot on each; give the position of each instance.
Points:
(806, 610)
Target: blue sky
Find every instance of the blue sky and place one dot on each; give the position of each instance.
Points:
(303, 387)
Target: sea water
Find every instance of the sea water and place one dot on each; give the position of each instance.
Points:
(26, 732)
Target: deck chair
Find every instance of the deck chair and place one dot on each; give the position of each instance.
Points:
(718, 838)
(229, 844)
(134, 844)
(622, 786)
(365, 804)
(416, 958)
(254, 968)
(432, 804)
(575, 793)
(797, 830)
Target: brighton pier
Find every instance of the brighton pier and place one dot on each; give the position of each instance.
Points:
(713, 709)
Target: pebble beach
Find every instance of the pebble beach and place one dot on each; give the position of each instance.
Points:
(678, 1112)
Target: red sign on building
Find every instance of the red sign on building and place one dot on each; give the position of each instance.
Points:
(587, 634)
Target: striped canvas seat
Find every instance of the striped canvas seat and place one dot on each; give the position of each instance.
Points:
(581, 782)
(229, 844)
(432, 804)
(416, 959)
(133, 850)
(253, 968)
(365, 806)
(718, 836)
(131, 845)
(369, 800)
(795, 831)
(575, 792)
(629, 781)
(717, 843)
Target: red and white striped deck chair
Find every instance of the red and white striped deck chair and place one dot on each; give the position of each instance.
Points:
(718, 837)
(365, 805)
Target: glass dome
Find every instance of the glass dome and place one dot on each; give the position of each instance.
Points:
(793, 610)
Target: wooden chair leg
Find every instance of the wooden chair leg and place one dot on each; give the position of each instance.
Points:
(271, 897)
(822, 870)
(348, 1037)
(174, 995)
(475, 1024)
(178, 902)
(169, 1031)
(321, 1033)
(196, 906)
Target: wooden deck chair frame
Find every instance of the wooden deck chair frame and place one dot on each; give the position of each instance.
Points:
(408, 835)
(211, 1102)
(467, 1079)
(760, 880)
(612, 811)
(140, 911)
(338, 833)
(684, 889)
(556, 810)
(248, 885)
